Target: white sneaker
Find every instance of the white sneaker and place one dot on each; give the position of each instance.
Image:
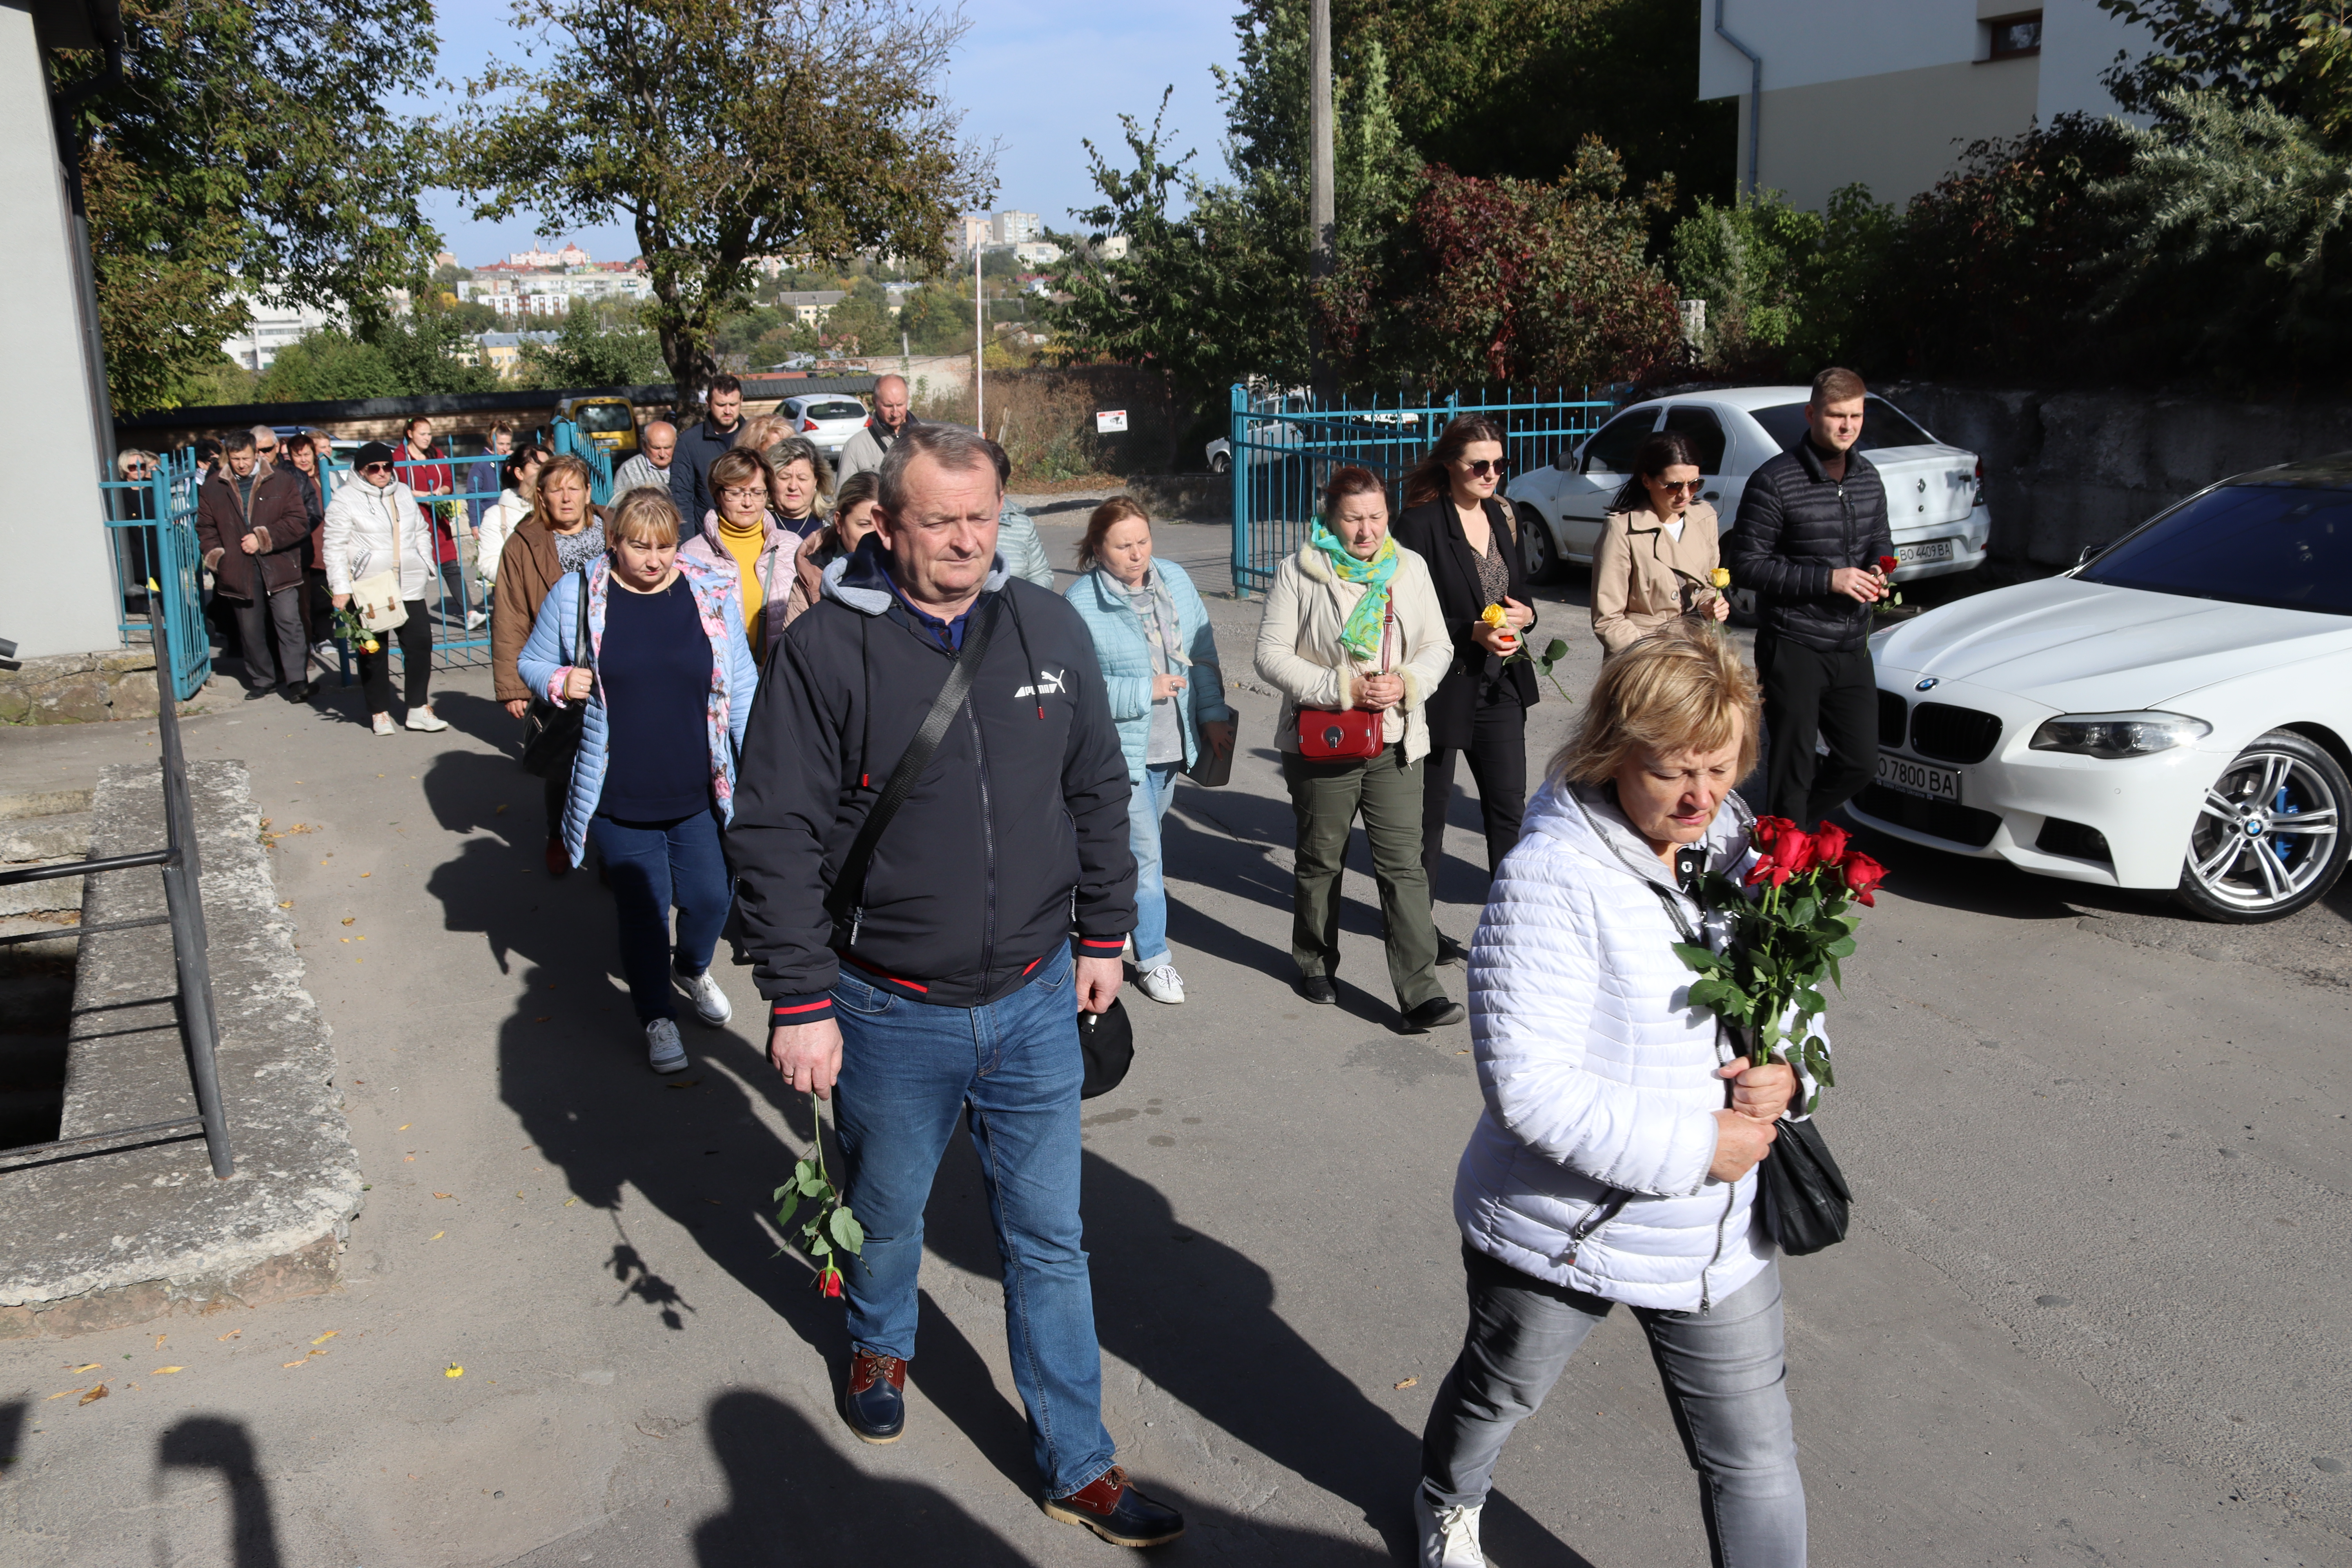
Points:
(476, 620)
(425, 718)
(384, 726)
(1449, 1536)
(1163, 983)
(665, 1052)
(710, 1004)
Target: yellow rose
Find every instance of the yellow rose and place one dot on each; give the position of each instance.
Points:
(1492, 615)
(1720, 577)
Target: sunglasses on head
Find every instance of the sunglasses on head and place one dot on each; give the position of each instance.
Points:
(1484, 466)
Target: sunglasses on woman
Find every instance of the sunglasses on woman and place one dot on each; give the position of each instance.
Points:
(1690, 485)
(1480, 469)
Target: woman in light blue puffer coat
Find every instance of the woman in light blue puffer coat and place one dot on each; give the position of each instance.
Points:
(1159, 668)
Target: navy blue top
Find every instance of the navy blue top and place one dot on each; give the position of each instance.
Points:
(655, 667)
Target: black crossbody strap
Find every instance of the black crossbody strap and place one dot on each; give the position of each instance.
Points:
(847, 901)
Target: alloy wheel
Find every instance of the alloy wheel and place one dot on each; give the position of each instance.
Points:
(2269, 836)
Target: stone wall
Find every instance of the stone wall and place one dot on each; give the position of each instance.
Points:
(80, 688)
(2064, 470)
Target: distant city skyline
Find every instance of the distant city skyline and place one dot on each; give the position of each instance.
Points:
(1035, 78)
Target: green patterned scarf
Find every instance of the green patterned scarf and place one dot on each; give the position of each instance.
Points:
(1361, 634)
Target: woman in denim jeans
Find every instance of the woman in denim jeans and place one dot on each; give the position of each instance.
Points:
(1159, 670)
(667, 681)
(1616, 1158)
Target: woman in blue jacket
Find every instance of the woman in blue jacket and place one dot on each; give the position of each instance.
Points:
(1159, 668)
(667, 678)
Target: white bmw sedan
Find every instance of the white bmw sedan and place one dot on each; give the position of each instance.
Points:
(1934, 493)
(2173, 714)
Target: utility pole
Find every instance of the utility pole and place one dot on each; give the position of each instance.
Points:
(1322, 208)
(979, 343)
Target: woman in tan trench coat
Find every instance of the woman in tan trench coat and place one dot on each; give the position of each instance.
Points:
(1657, 554)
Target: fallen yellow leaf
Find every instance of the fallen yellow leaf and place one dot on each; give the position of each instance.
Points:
(304, 1362)
(569, 1202)
(348, 919)
(455, 1371)
(88, 1366)
(436, 1195)
(287, 905)
(61, 1392)
(230, 1335)
(330, 1334)
(163, 1372)
(1408, 1382)
(160, 1339)
(436, 1236)
(100, 1392)
(367, 873)
(406, 1125)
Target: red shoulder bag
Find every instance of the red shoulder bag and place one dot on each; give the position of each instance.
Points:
(1348, 735)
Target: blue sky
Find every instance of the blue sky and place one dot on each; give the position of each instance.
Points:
(1036, 75)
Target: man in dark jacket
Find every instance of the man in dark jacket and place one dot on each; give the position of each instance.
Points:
(253, 529)
(700, 445)
(955, 980)
(1811, 526)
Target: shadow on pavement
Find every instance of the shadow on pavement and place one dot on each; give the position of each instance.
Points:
(1198, 1319)
(217, 1443)
(797, 1500)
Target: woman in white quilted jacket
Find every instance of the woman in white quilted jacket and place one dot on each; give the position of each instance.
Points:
(1615, 1160)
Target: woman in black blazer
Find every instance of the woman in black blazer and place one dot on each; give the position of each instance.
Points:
(1454, 521)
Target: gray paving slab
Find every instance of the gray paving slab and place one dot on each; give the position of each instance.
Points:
(2058, 1335)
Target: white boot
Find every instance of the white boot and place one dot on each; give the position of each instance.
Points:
(1449, 1536)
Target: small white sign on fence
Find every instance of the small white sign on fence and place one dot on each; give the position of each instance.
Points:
(1110, 421)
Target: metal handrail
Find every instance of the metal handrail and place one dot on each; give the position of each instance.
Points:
(184, 901)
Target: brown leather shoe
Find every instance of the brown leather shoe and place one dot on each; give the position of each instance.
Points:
(1113, 1509)
(872, 1403)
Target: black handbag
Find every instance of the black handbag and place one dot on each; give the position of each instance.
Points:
(1108, 1040)
(1806, 1199)
(551, 734)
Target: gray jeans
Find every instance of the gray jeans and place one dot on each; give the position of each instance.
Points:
(1725, 1378)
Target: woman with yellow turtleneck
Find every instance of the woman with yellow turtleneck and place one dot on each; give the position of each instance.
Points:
(743, 535)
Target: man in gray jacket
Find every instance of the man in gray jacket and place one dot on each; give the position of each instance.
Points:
(864, 451)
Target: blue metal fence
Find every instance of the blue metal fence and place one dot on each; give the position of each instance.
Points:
(1286, 445)
(150, 528)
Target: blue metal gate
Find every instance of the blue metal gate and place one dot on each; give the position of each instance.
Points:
(151, 525)
(1284, 447)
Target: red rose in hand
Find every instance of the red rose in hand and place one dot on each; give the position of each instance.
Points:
(1861, 875)
(1829, 843)
(830, 1283)
(1787, 851)
(1887, 564)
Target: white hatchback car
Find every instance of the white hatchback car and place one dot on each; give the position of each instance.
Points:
(2174, 714)
(1934, 493)
(826, 419)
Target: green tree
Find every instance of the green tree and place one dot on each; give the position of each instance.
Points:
(724, 132)
(938, 319)
(327, 365)
(249, 147)
(860, 323)
(593, 349)
(2296, 58)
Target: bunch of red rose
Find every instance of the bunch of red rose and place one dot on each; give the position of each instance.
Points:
(1784, 941)
(1788, 850)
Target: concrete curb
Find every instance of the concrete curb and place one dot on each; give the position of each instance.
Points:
(112, 1240)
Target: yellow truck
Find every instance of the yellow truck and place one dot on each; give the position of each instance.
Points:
(609, 422)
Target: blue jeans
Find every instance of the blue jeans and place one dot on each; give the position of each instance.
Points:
(653, 865)
(1014, 1069)
(1725, 1377)
(1147, 806)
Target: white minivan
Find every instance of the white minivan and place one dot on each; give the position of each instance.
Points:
(1934, 493)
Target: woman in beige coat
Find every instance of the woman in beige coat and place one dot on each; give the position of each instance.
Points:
(1353, 623)
(1657, 555)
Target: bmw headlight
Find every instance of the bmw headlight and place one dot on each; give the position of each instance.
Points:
(2114, 735)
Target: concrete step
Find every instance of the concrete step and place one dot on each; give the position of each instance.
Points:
(56, 893)
(42, 803)
(64, 836)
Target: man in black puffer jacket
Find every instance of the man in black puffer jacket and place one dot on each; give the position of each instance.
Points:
(1811, 526)
(994, 907)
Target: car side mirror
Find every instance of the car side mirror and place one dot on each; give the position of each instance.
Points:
(2089, 551)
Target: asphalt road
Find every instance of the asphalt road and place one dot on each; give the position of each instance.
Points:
(2092, 1309)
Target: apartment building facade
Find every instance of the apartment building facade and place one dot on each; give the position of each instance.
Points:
(1889, 94)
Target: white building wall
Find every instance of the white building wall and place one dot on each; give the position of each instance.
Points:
(55, 514)
(2079, 45)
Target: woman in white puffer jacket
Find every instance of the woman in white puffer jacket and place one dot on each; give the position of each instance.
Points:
(1616, 1157)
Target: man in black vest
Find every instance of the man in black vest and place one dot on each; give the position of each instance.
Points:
(1811, 527)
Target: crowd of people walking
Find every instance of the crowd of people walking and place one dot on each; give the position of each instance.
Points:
(850, 713)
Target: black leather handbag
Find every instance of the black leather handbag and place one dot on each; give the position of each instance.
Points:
(1806, 1200)
(551, 734)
